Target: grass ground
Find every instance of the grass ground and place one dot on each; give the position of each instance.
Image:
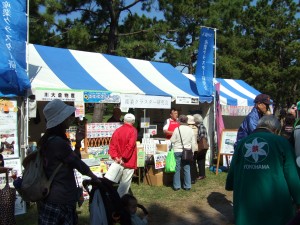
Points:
(207, 203)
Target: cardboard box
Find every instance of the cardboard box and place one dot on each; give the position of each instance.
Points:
(162, 147)
(154, 180)
(152, 171)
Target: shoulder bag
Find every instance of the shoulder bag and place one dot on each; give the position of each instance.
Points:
(187, 153)
(203, 144)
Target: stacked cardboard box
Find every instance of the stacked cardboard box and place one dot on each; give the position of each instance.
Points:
(157, 177)
(153, 177)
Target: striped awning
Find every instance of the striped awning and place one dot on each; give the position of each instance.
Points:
(57, 68)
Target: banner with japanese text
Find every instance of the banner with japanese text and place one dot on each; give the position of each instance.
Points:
(145, 101)
(205, 62)
(13, 36)
(101, 97)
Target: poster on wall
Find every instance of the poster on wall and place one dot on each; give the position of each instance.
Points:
(8, 129)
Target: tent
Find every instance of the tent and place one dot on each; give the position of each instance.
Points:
(232, 92)
(56, 68)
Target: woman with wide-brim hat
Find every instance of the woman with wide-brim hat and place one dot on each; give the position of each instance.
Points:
(59, 207)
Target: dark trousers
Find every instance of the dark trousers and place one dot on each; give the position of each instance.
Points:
(199, 161)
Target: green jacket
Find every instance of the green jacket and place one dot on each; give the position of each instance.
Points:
(264, 180)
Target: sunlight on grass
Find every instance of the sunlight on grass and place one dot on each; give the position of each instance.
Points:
(149, 196)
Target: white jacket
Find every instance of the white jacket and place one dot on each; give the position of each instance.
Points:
(188, 138)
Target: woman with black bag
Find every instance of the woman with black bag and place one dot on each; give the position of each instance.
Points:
(184, 144)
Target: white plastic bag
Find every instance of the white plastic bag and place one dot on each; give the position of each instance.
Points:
(114, 172)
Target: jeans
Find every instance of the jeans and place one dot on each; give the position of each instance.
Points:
(185, 165)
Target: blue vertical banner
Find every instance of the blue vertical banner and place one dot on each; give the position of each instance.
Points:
(205, 62)
(13, 35)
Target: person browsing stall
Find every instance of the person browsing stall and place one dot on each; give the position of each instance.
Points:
(60, 205)
(171, 123)
(261, 107)
(123, 150)
(116, 117)
(264, 178)
(183, 136)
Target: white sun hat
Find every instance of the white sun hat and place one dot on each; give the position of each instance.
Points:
(56, 112)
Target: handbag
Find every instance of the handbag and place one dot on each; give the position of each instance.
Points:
(187, 153)
(203, 144)
(114, 172)
(170, 166)
(7, 204)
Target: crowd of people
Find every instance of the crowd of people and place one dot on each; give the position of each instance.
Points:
(263, 175)
(264, 171)
(185, 132)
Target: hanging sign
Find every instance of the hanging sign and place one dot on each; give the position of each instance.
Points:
(13, 23)
(145, 101)
(101, 97)
(80, 109)
(205, 62)
(64, 95)
(187, 100)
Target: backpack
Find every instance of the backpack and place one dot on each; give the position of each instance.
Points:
(34, 184)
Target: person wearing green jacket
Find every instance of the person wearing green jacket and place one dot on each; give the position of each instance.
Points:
(264, 178)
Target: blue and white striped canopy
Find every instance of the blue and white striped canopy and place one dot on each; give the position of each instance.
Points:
(57, 68)
(65, 69)
(233, 92)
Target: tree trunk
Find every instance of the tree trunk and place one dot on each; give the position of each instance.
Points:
(98, 113)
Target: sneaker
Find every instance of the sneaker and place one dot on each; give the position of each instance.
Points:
(176, 189)
(186, 189)
(201, 177)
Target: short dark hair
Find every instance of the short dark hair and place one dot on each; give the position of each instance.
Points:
(125, 199)
(173, 109)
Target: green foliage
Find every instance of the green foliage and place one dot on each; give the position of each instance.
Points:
(257, 41)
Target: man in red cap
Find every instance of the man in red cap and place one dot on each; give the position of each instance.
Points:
(261, 107)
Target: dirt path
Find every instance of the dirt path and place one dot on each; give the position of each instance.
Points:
(213, 209)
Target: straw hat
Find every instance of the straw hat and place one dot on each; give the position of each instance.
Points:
(56, 112)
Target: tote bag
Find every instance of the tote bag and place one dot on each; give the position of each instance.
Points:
(170, 166)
